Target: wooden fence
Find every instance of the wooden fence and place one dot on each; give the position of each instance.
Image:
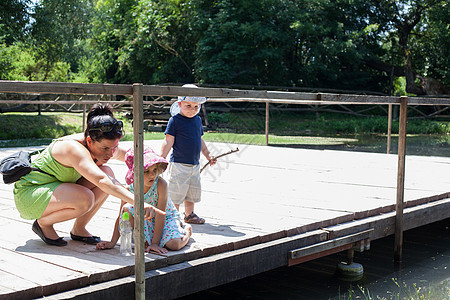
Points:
(138, 91)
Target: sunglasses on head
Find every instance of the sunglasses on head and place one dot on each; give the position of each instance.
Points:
(108, 126)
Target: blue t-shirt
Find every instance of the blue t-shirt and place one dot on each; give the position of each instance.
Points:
(188, 139)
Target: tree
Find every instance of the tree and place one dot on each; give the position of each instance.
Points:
(58, 32)
(14, 19)
(244, 41)
(410, 28)
(160, 46)
(315, 43)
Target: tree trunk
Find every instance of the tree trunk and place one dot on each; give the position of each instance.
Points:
(410, 76)
(404, 30)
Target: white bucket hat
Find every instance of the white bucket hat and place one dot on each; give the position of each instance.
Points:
(175, 108)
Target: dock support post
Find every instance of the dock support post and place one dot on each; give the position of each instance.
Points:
(350, 256)
(400, 181)
(267, 123)
(139, 247)
(350, 271)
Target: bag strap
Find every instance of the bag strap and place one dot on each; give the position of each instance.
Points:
(36, 152)
(37, 169)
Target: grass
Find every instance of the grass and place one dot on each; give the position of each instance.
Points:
(256, 139)
(32, 125)
(289, 123)
(404, 291)
(26, 129)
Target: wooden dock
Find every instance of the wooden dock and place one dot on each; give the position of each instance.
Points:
(261, 204)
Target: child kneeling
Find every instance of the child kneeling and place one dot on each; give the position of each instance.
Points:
(160, 232)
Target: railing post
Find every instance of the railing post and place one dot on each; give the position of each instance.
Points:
(139, 247)
(388, 150)
(84, 117)
(267, 123)
(400, 181)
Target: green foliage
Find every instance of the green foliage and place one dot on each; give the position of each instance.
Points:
(414, 35)
(13, 20)
(5, 60)
(244, 42)
(24, 64)
(315, 43)
(434, 44)
(428, 127)
(160, 47)
(113, 29)
(56, 33)
(218, 118)
(399, 86)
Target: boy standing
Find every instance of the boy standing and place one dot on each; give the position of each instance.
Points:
(184, 135)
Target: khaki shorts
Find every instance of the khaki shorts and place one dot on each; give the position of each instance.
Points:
(184, 183)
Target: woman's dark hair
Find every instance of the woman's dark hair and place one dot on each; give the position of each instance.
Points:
(101, 124)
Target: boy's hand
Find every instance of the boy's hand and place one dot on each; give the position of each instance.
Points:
(105, 245)
(212, 160)
(157, 249)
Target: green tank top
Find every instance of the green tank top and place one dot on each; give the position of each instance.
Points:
(34, 190)
(47, 163)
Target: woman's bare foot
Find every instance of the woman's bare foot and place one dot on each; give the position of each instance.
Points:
(80, 231)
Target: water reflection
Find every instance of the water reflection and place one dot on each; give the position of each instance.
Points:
(423, 145)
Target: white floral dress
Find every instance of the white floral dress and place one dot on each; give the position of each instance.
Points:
(172, 226)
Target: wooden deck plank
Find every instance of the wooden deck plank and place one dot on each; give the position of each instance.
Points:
(14, 287)
(40, 273)
(256, 196)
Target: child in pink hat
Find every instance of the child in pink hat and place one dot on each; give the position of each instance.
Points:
(161, 232)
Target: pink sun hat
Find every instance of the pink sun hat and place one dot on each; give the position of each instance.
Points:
(150, 158)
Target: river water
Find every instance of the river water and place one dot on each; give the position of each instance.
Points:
(423, 274)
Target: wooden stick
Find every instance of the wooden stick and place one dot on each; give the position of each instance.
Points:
(223, 154)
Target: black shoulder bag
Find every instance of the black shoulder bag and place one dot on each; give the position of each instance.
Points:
(16, 165)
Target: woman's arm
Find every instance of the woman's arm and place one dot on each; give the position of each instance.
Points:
(115, 236)
(160, 220)
(75, 155)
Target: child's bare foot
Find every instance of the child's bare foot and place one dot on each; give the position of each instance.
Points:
(187, 236)
(177, 244)
(188, 229)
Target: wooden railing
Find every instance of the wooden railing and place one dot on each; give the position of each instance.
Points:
(138, 91)
(213, 95)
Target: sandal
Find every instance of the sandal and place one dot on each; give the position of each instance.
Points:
(194, 219)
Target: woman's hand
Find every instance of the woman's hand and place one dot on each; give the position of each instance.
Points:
(105, 245)
(156, 248)
(149, 211)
